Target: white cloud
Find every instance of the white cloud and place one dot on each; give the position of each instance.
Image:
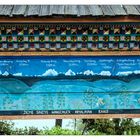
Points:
(125, 73)
(88, 72)
(105, 73)
(17, 74)
(70, 73)
(5, 73)
(50, 72)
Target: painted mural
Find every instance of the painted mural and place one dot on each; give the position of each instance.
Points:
(69, 85)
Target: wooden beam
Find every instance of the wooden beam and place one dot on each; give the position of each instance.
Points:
(59, 19)
(73, 53)
(95, 116)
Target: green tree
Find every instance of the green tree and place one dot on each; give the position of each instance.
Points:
(59, 131)
(6, 128)
(26, 131)
(111, 126)
(81, 127)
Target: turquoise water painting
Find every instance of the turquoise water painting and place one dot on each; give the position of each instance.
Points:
(69, 85)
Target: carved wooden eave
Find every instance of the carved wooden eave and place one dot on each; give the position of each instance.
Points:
(61, 19)
(23, 14)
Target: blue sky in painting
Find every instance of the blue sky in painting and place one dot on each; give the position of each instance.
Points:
(52, 66)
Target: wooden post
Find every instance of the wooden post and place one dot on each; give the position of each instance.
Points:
(58, 123)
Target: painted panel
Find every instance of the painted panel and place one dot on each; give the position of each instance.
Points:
(70, 85)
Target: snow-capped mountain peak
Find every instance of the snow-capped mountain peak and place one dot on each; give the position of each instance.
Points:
(5, 73)
(105, 73)
(70, 73)
(88, 72)
(137, 72)
(124, 73)
(17, 74)
(50, 72)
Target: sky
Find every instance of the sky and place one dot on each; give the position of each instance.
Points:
(40, 124)
(48, 123)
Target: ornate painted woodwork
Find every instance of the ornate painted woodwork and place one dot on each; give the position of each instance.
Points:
(69, 36)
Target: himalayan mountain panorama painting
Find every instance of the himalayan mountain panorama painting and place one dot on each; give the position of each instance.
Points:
(65, 85)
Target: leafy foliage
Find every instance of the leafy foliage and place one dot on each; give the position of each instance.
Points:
(85, 127)
(112, 126)
(6, 128)
(59, 131)
(26, 131)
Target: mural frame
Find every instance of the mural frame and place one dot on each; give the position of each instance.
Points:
(72, 116)
(70, 53)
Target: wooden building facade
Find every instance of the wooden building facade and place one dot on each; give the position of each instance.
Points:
(42, 41)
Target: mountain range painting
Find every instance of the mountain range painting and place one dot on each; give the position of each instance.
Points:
(69, 85)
